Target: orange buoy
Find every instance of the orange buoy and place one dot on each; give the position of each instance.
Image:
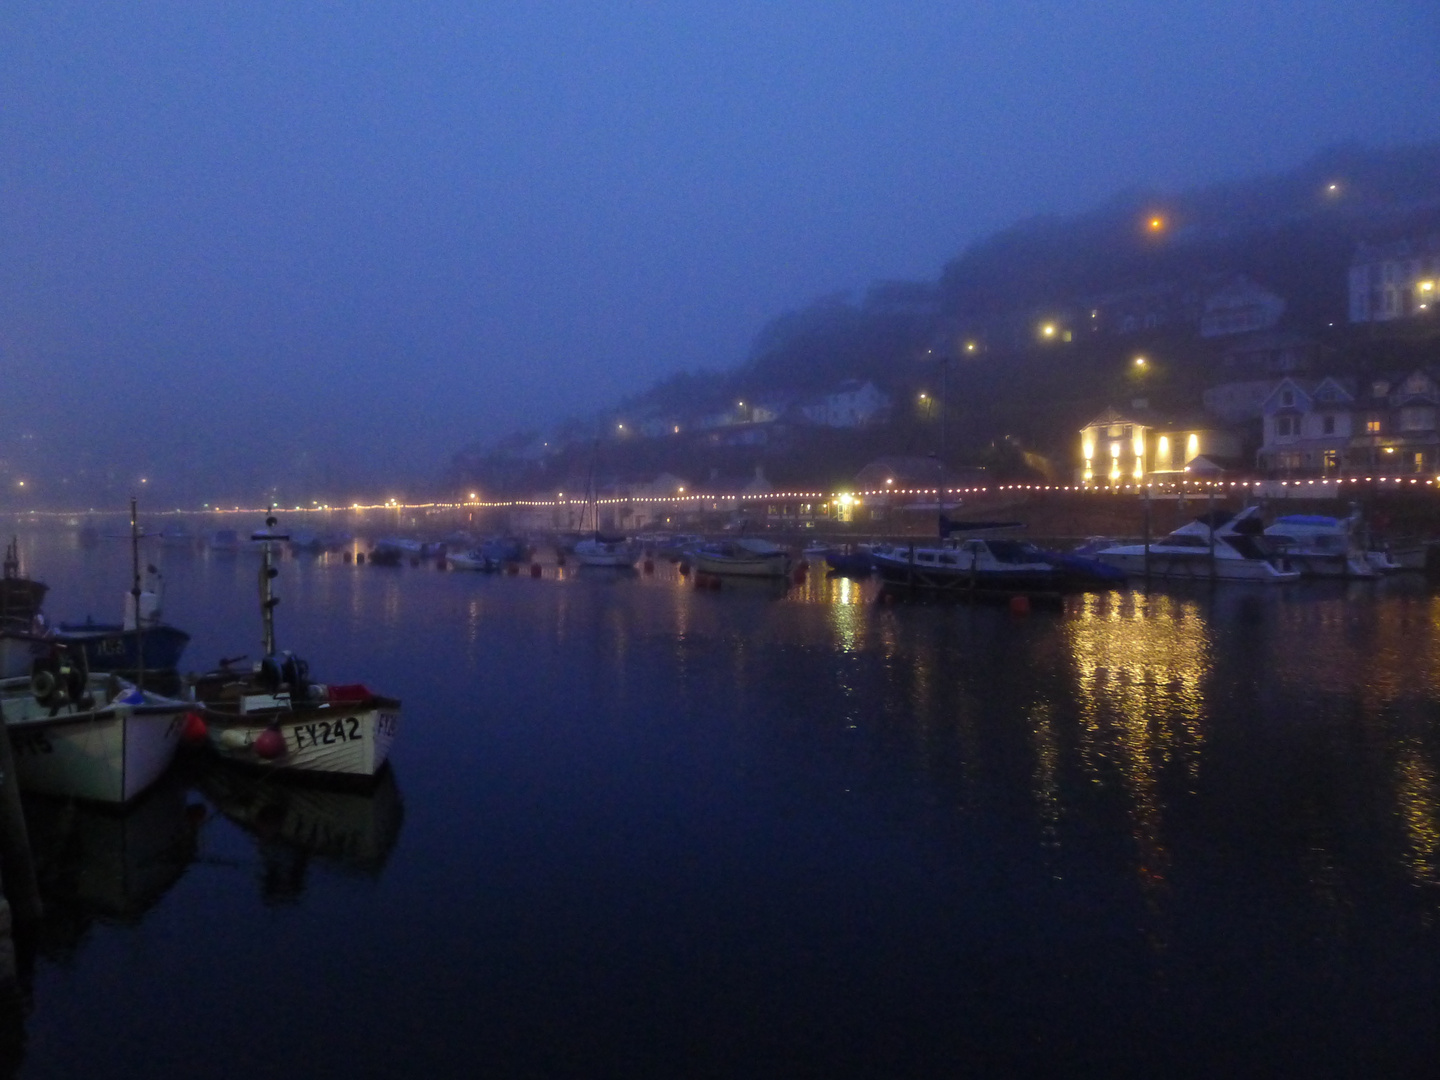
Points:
(1019, 605)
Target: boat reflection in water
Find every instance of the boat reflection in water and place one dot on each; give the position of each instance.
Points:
(348, 830)
(99, 864)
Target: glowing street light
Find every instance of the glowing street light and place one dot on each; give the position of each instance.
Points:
(1140, 362)
(1048, 330)
(971, 347)
(1156, 224)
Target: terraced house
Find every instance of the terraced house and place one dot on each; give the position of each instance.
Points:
(1332, 426)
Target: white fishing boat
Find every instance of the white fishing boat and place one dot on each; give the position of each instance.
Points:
(1321, 546)
(1219, 546)
(87, 736)
(273, 716)
(745, 557)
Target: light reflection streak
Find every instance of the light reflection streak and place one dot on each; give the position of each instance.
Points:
(1418, 793)
(1140, 664)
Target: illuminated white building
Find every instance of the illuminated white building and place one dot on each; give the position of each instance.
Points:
(1123, 448)
(1394, 281)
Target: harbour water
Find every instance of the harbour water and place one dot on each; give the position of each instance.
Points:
(636, 829)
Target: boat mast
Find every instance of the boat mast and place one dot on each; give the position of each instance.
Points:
(268, 573)
(940, 461)
(135, 595)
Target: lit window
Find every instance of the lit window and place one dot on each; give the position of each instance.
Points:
(1372, 427)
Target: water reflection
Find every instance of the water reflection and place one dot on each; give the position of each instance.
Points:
(1140, 668)
(351, 831)
(94, 864)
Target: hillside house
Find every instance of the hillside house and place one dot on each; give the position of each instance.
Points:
(1241, 307)
(852, 404)
(1394, 281)
(1331, 426)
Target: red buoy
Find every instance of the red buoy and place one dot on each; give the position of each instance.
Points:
(270, 743)
(649, 566)
(534, 569)
(359, 558)
(1019, 605)
(194, 730)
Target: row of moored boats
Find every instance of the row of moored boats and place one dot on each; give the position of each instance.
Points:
(91, 714)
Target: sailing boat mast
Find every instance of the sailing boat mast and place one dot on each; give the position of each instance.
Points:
(135, 595)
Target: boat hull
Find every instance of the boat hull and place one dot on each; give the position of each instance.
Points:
(111, 648)
(1194, 566)
(919, 576)
(109, 754)
(338, 740)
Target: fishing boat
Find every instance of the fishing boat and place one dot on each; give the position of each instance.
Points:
(745, 557)
(1216, 546)
(224, 541)
(90, 736)
(1321, 546)
(273, 716)
(20, 597)
(22, 625)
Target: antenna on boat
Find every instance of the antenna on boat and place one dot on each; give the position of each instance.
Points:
(135, 595)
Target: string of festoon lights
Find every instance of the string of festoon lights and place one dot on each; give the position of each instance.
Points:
(837, 498)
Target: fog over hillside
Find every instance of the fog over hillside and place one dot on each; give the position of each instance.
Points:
(307, 251)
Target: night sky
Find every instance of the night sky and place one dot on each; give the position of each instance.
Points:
(355, 237)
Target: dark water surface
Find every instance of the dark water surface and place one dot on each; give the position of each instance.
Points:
(638, 830)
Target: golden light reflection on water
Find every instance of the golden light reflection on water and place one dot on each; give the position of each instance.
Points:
(1418, 793)
(1140, 665)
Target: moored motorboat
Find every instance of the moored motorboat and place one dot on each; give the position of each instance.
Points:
(273, 716)
(1216, 546)
(90, 736)
(1321, 546)
(746, 557)
(976, 563)
(600, 550)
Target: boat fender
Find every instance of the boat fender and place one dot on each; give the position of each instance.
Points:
(270, 743)
(232, 739)
(194, 731)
